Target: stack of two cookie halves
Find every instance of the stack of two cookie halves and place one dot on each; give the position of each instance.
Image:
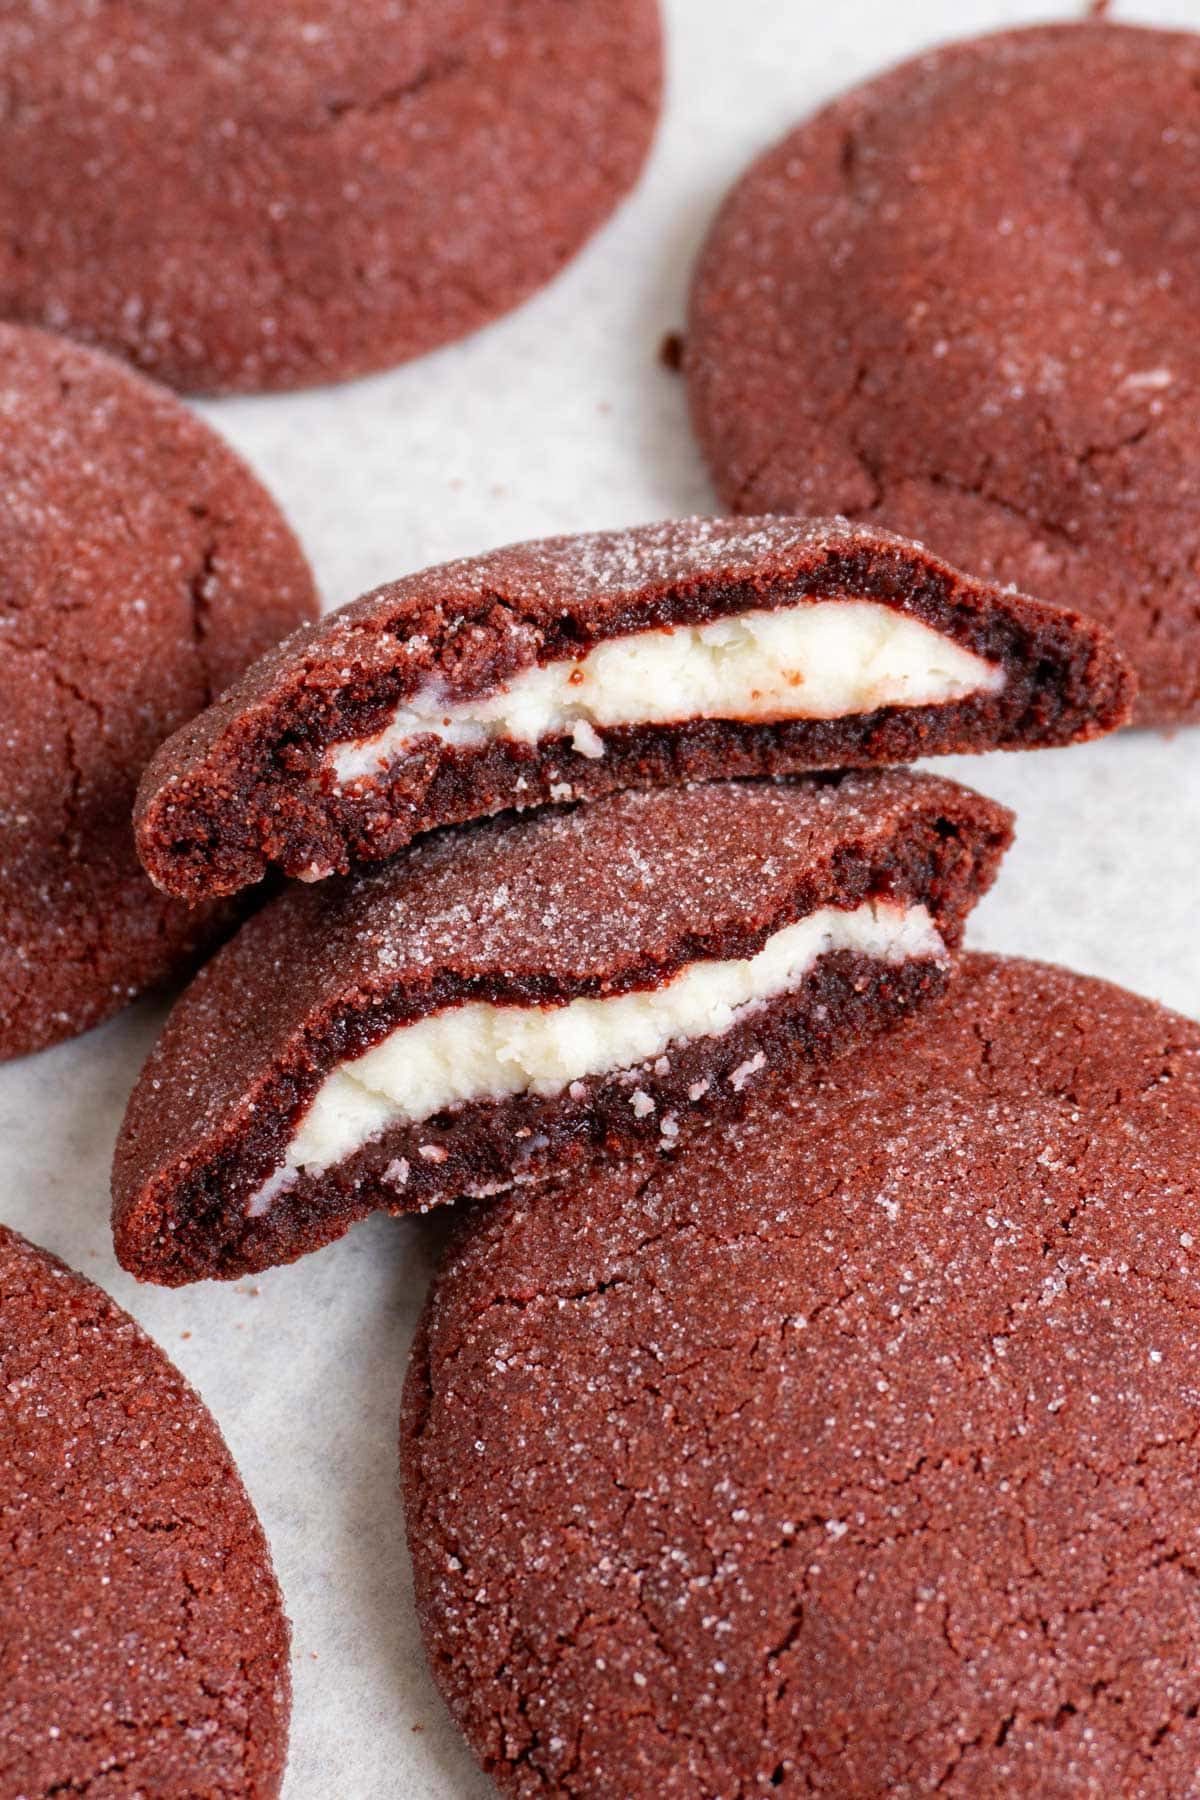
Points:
(611, 916)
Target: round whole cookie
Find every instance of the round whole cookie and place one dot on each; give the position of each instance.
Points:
(143, 1645)
(853, 1452)
(142, 567)
(254, 196)
(961, 302)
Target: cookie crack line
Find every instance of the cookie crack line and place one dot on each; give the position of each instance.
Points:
(437, 72)
(68, 840)
(883, 478)
(201, 584)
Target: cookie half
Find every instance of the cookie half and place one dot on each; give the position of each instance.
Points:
(143, 1645)
(252, 196)
(961, 302)
(574, 667)
(142, 566)
(852, 1452)
(507, 1000)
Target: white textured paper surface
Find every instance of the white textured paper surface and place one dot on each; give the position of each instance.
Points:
(559, 418)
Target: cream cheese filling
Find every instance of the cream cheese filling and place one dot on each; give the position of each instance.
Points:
(812, 659)
(479, 1051)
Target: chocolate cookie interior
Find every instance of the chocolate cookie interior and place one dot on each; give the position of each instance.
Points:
(508, 1000)
(565, 670)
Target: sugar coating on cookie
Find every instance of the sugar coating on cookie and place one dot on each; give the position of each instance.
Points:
(852, 1451)
(566, 669)
(143, 1643)
(960, 303)
(252, 196)
(142, 566)
(505, 1001)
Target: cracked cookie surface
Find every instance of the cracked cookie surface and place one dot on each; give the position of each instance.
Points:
(853, 1453)
(253, 196)
(142, 567)
(143, 1646)
(960, 302)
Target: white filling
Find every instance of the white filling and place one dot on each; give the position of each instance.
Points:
(478, 1051)
(815, 659)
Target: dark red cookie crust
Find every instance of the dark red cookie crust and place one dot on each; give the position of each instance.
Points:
(142, 567)
(143, 1645)
(246, 786)
(603, 900)
(253, 196)
(854, 1452)
(961, 302)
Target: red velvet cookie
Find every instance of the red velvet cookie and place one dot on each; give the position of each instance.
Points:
(574, 667)
(961, 302)
(143, 1645)
(142, 567)
(508, 1000)
(854, 1451)
(253, 195)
